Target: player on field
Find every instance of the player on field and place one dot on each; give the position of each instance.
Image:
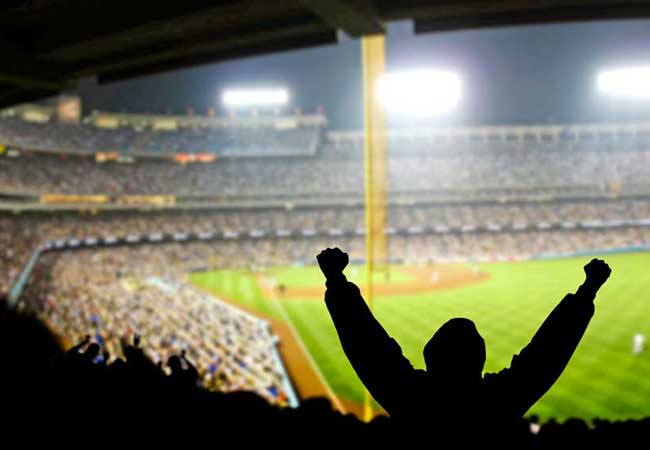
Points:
(638, 344)
(441, 400)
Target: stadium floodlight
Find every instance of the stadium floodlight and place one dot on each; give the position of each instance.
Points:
(629, 82)
(420, 93)
(255, 97)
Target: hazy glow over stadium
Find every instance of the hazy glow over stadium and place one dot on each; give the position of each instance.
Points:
(420, 93)
(255, 97)
(629, 82)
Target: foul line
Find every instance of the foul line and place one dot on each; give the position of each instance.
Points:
(303, 347)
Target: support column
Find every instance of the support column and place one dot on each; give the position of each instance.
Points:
(373, 54)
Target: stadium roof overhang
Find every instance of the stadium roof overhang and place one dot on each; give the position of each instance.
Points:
(48, 45)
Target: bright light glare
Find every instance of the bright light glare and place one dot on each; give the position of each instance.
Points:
(255, 97)
(420, 93)
(630, 82)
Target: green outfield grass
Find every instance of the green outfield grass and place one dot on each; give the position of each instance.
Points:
(603, 379)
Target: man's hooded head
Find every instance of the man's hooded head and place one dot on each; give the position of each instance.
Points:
(456, 351)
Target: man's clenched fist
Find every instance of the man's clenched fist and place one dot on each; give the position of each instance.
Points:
(332, 261)
(597, 272)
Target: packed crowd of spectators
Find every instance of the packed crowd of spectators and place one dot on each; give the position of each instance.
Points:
(111, 296)
(490, 169)
(323, 220)
(512, 246)
(226, 140)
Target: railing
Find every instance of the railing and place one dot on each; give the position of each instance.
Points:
(17, 288)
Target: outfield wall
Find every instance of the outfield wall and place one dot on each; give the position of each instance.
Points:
(596, 252)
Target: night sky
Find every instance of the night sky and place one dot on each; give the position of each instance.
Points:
(532, 74)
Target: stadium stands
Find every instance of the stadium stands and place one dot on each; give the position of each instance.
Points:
(421, 233)
(231, 349)
(161, 135)
(588, 159)
(498, 171)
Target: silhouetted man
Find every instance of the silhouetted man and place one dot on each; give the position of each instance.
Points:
(452, 398)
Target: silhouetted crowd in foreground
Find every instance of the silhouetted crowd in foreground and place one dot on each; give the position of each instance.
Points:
(76, 398)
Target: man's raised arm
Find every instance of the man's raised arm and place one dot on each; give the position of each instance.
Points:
(375, 356)
(543, 360)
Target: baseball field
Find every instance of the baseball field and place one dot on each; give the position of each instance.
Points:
(508, 302)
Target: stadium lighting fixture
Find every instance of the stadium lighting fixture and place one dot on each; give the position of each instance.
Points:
(255, 97)
(420, 93)
(629, 82)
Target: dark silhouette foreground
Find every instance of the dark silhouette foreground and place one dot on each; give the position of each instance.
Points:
(440, 399)
(77, 398)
